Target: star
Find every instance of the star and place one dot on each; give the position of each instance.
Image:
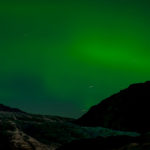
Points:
(91, 86)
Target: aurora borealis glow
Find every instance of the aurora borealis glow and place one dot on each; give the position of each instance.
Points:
(61, 57)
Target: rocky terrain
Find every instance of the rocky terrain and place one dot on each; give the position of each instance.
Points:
(120, 122)
(127, 110)
(23, 131)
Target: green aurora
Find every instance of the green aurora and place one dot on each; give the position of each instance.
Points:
(60, 57)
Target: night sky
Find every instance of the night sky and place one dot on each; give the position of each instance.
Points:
(60, 57)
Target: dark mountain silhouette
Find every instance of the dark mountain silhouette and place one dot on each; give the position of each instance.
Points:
(128, 110)
(9, 109)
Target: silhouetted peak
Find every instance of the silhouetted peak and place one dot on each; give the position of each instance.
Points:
(9, 109)
(127, 110)
(136, 85)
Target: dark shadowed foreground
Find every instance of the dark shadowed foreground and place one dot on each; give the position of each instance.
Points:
(23, 131)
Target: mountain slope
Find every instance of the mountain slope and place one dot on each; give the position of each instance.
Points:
(9, 109)
(128, 110)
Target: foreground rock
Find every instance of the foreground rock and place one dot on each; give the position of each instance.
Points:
(14, 139)
(128, 110)
(23, 131)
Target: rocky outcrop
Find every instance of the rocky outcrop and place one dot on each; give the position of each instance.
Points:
(21, 141)
(127, 110)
